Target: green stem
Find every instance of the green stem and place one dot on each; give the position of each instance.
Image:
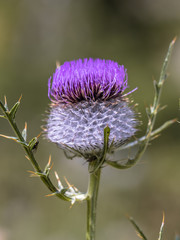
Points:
(92, 196)
(45, 178)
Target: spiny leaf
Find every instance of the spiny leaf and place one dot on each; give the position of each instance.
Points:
(33, 174)
(36, 174)
(14, 139)
(14, 109)
(33, 143)
(48, 167)
(24, 132)
(51, 194)
(10, 137)
(139, 231)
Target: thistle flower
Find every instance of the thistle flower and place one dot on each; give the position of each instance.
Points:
(86, 96)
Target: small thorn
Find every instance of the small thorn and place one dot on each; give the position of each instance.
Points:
(51, 166)
(33, 174)
(174, 40)
(27, 157)
(44, 129)
(69, 185)
(59, 182)
(56, 175)
(75, 189)
(12, 138)
(25, 127)
(20, 98)
(49, 162)
(138, 234)
(163, 218)
(174, 120)
(72, 202)
(39, 135)
(5, 100)
(50, 195)
(58, 64)
(1, 135)
(5, 103)
(156, 136)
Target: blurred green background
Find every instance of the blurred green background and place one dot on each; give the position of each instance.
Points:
(33, 36)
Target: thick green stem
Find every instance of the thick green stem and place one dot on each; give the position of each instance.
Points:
(92, 196)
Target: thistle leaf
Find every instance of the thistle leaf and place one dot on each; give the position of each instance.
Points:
(14, 139)
(9, 137)
(139, 231)
(33, 143)
(24, 132)
(13, 110)
(48, 167)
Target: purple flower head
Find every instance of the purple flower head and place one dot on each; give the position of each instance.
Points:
(87, 79)
(87, 96)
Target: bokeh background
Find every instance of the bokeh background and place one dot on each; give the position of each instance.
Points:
(33, 36)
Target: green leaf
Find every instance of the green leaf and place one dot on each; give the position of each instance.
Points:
(14, 109)
(33, 143)
(9, 137)
(14, 139)
(48, 167)
(139, 231)
(2, 116)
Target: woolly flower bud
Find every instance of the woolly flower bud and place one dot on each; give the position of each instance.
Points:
(86, 96)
